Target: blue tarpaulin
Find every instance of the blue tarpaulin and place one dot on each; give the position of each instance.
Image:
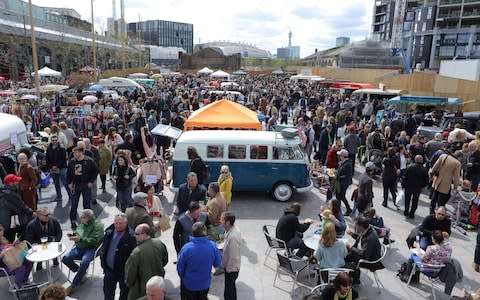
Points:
(424, 100)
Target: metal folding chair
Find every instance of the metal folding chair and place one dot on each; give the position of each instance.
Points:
(92, 263)
(364, 262)
(273, 243)
(430, 271)
(290, 266)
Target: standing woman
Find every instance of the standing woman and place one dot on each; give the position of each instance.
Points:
(123, 175)
(105, 161)
(154, 207)
(69, 134)
(28, 185)
(225, 181)
(344, 177)
(391, 170)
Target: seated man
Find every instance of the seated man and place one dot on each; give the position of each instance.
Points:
(43, 226)
(366, 246)
(188, 192)
(87, 238)
(290, 230)
(437, 221)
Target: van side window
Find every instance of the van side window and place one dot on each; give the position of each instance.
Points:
(236, 151)
(214, 151)
(258, 152)
(287, 153)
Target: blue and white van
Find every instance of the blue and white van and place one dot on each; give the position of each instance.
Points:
(258, 160)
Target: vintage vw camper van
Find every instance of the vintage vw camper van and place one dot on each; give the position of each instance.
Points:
(259, 160)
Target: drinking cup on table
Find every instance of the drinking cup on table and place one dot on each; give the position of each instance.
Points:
(43, 241)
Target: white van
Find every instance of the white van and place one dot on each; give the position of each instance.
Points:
(258, 160)
(13, 133)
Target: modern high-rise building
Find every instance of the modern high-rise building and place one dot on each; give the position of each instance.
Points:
(342, 41)
(162, 33)
(290, 52)
(429, 30)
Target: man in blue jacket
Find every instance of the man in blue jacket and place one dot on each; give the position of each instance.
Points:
(195, 263)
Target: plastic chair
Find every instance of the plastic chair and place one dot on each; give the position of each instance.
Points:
(273, 243)
(290, 266)
(31, 292)
(372, 262)
(332, 273)
(318, 290)
(432, 272)
(92, 263)
(4, 273)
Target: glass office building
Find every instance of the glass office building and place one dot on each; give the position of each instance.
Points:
(162, 33)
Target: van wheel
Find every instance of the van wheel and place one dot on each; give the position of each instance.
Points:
(282, 191)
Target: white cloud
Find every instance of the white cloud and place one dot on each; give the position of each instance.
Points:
(314, 23)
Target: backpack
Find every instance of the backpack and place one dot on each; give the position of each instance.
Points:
(404, 272)
(377, 141)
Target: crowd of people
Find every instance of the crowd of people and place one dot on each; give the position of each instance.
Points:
(336, 133)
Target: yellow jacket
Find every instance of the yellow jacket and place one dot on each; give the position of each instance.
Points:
(225, 183)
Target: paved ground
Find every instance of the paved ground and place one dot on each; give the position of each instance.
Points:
(256, 278)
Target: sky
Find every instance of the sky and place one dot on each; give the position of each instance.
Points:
(265, 23)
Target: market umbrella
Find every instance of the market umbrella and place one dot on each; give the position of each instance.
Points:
(7, 93)
(21, 91)
(29, 97)
(90, 99)
(50, 88)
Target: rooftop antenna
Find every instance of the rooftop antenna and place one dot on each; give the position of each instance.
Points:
(290, 39)
(114, 9)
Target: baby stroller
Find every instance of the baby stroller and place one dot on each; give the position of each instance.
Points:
(376, 156)
(462, 202)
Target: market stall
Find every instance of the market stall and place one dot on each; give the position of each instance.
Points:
(223, 114)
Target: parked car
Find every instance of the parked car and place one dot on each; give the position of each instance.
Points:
(470, 121)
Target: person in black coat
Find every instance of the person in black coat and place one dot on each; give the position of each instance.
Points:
(43, 226)
(391, 170)
(290, 230)
(56, 161)
(416, 178)
(367, 246)
(12, 204)
(118, 242)
(344, 177)
(326, 140)
(188, 192)
(365, 188)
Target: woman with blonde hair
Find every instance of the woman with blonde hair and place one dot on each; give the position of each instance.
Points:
(70, 135)
(330, 252)
(225, 181)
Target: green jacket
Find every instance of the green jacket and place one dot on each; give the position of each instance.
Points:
(91, 235)
(105, 160)
(145, 261)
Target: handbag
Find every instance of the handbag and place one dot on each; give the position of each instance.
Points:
(14, 256)
(164, 222)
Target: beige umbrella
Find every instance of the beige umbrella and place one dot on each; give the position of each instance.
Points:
(50, 88)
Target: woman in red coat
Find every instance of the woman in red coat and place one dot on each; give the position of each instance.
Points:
(28, 185)
(332, 161)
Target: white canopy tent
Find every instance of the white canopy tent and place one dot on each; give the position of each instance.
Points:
(220, 74)
(47, 72)
(205, 71)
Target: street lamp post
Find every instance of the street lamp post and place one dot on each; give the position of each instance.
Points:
(34, 51)
(93, 47)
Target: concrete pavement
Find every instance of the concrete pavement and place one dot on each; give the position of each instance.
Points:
(256, 279)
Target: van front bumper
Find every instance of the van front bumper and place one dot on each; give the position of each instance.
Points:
(305, 189)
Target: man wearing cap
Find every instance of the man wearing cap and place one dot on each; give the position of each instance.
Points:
(43, 226)
(81, 173)
(351, 143)
(344, 177)
(138, 214)
(11, 204)
(415, 179)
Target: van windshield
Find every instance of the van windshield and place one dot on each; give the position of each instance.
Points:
(287, 153)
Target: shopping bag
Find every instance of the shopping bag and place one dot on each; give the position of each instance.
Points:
(164, 222)
(400, 201)
(14, 256)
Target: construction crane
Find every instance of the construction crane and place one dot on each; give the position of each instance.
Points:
(397, 33)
